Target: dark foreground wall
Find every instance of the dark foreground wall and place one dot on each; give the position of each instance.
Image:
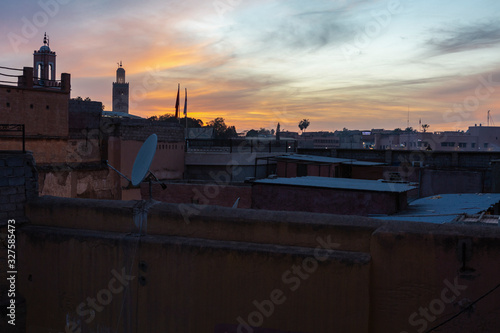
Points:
(111, 266)
(18, 183)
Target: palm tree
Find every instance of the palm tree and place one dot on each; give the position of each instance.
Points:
(303, 124)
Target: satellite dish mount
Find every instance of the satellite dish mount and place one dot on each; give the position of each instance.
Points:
(142, 163)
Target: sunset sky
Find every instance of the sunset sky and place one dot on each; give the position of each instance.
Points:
(339, 63)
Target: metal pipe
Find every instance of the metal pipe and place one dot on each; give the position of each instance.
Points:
(121, 174)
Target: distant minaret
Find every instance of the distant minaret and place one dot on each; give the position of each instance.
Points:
(44, 63)
(120, 91)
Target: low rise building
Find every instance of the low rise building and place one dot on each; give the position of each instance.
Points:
(476, 138)
(330, 195)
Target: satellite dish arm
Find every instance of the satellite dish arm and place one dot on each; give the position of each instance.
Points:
(152, 175)
(121, 174)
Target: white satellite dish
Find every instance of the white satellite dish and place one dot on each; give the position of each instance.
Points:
(143, 159)
(142, 163)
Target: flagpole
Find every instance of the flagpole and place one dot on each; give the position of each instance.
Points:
(177, 103)
(185, 113)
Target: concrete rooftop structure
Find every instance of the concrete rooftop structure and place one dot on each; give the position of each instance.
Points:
(314, 158)
(445, 208)
(340, 183)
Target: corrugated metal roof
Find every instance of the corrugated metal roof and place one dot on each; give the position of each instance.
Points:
(364, 163)
(340, 183)
(313, 158)
(479, 219)
(444, 208)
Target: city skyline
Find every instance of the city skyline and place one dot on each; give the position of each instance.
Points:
(353, 64)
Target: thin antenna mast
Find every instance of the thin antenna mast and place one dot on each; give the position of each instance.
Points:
(490, 119)
(408, 120)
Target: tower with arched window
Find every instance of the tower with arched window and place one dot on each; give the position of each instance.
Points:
(120, 91)
(44, 64)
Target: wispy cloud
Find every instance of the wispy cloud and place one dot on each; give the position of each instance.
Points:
(464, 37)
(264, 61)
(309, 31)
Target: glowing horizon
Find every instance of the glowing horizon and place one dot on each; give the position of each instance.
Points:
(354, 64)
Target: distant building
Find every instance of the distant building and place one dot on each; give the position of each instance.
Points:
(288, 134)
(488, 137)
(298, 165)
(477, 138)
(120, 91)
(319, 140)
(71, 138)
(40, 103)
(237, 159)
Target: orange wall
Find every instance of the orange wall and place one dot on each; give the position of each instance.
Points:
(200, 272)
(44, 112)
(167, 163)
(44, 150)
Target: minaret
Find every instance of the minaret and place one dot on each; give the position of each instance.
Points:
(44, 63)
(120, 91)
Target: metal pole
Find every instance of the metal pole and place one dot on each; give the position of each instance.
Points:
(24, 139)
(121, 174)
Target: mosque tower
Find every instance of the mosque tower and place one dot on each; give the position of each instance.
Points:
(44, 64)
(120, 91)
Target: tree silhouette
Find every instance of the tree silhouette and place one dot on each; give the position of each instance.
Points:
(260, 132)
(425, 127)
(303, 124)
(191, 122)
(221, 130)
(252, 133)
